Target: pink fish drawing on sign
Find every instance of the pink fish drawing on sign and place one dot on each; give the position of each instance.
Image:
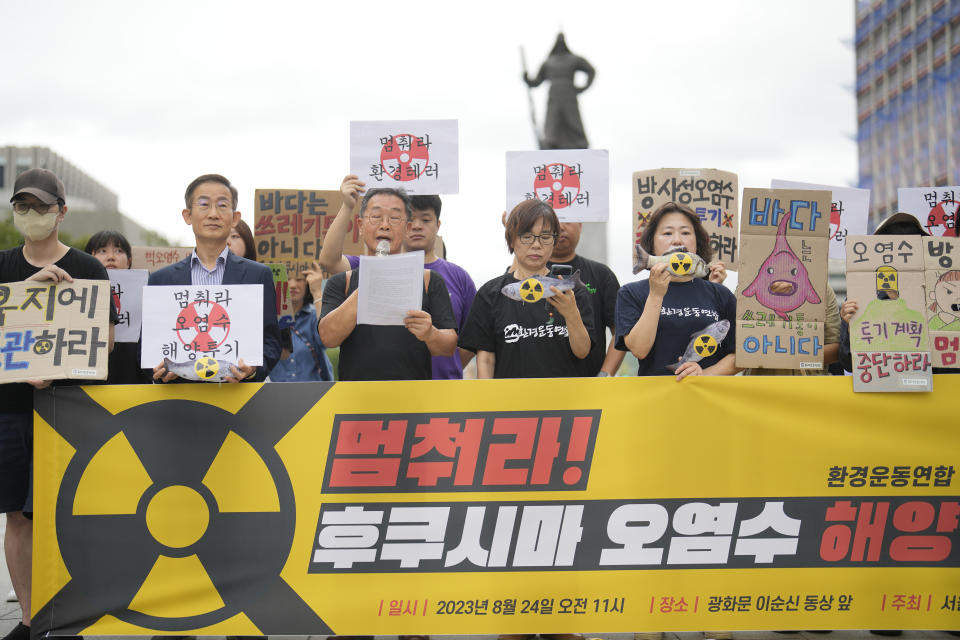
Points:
(783, 283)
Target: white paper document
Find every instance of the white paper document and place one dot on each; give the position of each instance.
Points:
(389, 287)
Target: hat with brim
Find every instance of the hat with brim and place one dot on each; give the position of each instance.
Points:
(901, 218)
(41, 183)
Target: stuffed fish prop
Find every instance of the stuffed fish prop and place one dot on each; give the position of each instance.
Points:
(703, 343)
(536, 287)
(205, 369)
(679, 262)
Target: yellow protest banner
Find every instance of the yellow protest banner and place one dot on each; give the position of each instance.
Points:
(495, 506)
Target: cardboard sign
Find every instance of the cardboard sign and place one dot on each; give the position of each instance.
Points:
(934, 207)
(126, 287)
(290, 225)
(711, 193)
(575, 182)
(849, 210)
(282, 284)
(52, 331)
(888, 334)
(783, 278)
(184, 323)
(942, 278)
(342, 508)
(153, 258)
(419, 155)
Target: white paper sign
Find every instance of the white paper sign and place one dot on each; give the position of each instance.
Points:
(419, 155)
(126, 287)
(934, 207)
(575, 182)
(389, 287)
(184, 323)
(849, 211)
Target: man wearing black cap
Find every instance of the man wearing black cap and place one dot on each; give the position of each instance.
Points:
(39, 205)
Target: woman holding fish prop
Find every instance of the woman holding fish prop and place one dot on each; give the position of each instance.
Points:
(677, 321)
(525, 323)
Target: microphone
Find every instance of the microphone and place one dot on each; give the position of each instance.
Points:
(383, 248)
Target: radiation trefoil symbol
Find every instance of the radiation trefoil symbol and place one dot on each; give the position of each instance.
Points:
(705, 345)
(206, 367)
(531, 290)
(681, 264)
(176, 515)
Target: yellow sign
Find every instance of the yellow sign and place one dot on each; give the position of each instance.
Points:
(477, 507)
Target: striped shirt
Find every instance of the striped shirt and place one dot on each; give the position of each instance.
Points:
(200, 275)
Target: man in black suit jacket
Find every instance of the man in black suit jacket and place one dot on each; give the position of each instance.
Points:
(212, 212)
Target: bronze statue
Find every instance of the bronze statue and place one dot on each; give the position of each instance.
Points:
(563, 128)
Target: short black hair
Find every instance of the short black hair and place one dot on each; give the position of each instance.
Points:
(524, 217)
(423, 203)
(210, 177)
(387, 191)
(102, 239)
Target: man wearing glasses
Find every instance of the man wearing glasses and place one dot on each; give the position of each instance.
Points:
(211, 209)
(369, 352)
(39, 205)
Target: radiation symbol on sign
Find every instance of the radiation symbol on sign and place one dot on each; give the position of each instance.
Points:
(943, 218)
(681, 264)
(557, 184)
(705, 345)
(202, 326)
(404, 157)
(206, 367)
(42, 346)
(175, 515)
(531, 290)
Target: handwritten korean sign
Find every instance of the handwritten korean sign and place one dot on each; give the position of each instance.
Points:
(419, 155)
(52, 331)
(290, 225)
(282, 284)
(711, 193)
(941, 258)
(783, 278)
(575, 182)
(186, 322)
(888, 335)
(153, 258)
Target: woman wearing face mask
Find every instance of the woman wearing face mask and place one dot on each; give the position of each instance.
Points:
(113, 251)
(655, 317)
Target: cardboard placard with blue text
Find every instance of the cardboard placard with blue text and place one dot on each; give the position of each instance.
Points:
(782, 278)
(431, 507)
(888, 334)
(51, 331)
(711, 193)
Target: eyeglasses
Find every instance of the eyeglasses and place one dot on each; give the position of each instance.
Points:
(375, 219)
(204, 204)
(23, 207)
(545, 239)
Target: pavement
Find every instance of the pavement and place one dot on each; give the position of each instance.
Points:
(10, 616)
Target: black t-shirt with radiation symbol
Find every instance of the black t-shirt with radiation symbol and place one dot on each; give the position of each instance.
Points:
(526, 340)
(17, 397)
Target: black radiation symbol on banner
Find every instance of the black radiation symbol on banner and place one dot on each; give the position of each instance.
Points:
(176, 515)
(705, 345)
(681, 264)
(531, 290)
(206, 367)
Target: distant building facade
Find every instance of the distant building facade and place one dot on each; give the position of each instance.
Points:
(92, 207)
(908, 97)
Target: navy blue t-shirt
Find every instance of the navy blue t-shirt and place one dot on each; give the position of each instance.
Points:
(687, 307)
